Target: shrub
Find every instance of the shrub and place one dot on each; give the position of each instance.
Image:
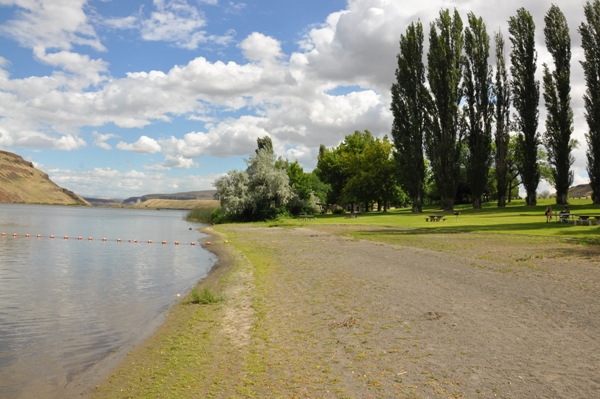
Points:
(338, 211)
(206, 297)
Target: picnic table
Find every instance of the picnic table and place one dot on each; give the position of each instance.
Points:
(587, 219)
(304, 217)
(565, 217)
(435, 218)
(352, 215)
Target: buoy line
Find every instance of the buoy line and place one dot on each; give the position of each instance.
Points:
(104, 239)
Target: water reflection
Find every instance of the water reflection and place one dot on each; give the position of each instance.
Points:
(64, 304)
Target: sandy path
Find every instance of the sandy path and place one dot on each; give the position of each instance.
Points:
(341, 317)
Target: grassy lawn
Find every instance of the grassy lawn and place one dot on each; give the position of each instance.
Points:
(514, 219)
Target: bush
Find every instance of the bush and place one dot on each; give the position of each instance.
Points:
(338, 211)
(204, 298)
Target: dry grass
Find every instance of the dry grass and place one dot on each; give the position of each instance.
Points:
(176, 204)
(20, 182)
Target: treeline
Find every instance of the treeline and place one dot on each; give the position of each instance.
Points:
(454, 113)
(463, 129)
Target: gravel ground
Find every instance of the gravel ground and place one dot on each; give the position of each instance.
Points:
(377, 312)
(449, 315)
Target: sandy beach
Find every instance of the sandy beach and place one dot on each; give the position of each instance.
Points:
(376, 312)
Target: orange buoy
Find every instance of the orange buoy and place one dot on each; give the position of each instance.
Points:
(27, 235)
(193, 243)
(80, 238)
(128, 240)
(149, 241)
(104, 239)
(208, 243)
(66, 237)
(15, 235)
(51, 236)
(90, 238)
(119, 240)
(164, 242)
(3, 234)
(39, 236)
(176, 242)
(135, 241)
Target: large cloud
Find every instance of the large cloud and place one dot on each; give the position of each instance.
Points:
(107, 182)
(289, 97)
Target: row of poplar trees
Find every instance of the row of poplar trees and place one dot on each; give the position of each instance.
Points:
(459, 104)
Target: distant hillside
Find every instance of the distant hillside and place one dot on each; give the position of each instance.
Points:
(20, 182)
(176, 204)
(186, 196)
(582, 190)
(103, 201)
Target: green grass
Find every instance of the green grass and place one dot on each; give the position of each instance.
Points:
(516, 218)
(204, 298)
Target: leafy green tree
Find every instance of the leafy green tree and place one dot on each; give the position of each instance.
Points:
(557, 96)
(444, 136)
(526, 94)
(502, 113)
(410, 101)
(590, 42)
(478, 108)
(310, 194)
(258, 193)
(359, 185)
(513, 167)
(329, 171)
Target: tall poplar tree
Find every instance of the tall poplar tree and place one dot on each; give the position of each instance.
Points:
(557, 96)
(526, 95)
(477, 85)
(590, 42)
(502, 113)
(409, 107)
(444, 136)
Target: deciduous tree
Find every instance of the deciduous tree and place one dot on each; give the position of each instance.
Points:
(526, 95)
(557, 96)
(478, 109)
(502, 113)
(444, 136)
(410, 101)
(590, 42)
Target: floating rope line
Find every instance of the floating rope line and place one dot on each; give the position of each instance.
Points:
(104, 239)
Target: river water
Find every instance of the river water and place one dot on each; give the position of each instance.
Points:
(67, 304)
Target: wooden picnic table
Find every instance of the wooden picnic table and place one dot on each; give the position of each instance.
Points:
(436, 218)
(304, 217)
(587, 219)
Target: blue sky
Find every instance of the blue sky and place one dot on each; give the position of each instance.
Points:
(123, 98)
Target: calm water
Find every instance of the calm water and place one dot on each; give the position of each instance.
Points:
(66, 304)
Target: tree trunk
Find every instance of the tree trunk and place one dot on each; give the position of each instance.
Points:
(476, 203)
(501, 201)
(531, 198)
(562, 199)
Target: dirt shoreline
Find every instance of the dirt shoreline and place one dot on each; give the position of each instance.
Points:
(377, 312)
(82, 386)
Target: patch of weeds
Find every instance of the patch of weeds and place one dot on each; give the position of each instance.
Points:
(204, 298)
(523, 259)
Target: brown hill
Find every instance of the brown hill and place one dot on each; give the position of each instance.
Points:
(581, 191)
(21, 182)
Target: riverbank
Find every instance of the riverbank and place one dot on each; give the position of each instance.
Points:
(367, 311)
(83, 386)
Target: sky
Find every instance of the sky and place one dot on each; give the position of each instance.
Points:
(122, 98)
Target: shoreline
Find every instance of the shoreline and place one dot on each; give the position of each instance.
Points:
(349, 311)
(83, 385)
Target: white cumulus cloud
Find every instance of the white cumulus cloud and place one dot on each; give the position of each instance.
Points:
(145, 145)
